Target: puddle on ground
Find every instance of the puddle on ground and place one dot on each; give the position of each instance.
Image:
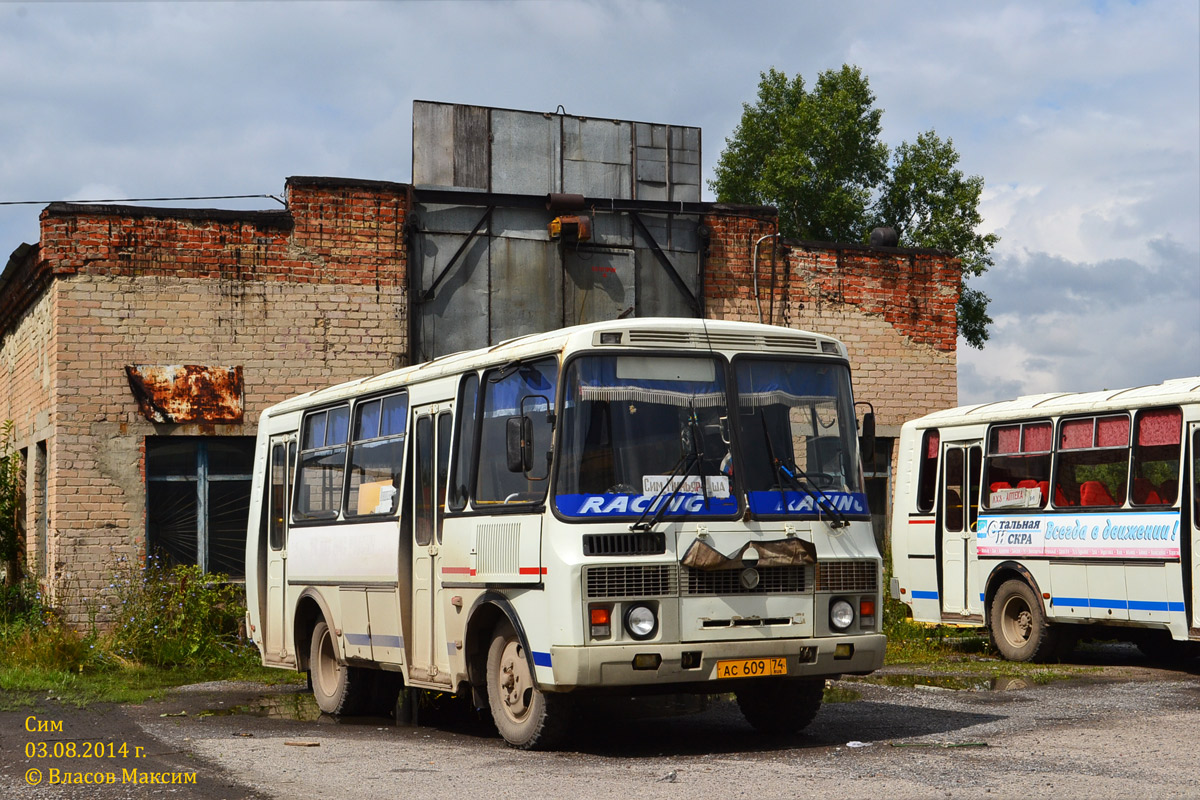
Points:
(956, 683)
(297, 706)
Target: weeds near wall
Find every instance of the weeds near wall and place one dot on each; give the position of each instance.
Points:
(12, 506)
(156, 627)
(172, 616)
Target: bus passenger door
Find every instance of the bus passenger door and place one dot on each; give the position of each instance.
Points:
(279, 494)
(431, 450)
(960, 511)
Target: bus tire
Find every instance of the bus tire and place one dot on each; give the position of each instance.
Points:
(781, 707)
(338, 688)
(1018, 626)
(527, 718)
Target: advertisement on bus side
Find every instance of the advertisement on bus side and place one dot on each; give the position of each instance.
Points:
(1100, 535)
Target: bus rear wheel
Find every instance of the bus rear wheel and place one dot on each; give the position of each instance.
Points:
(1018, 626)
(527, 718)
(781, 707)
(338, 688)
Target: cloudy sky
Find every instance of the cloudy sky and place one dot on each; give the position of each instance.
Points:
(1083, 118)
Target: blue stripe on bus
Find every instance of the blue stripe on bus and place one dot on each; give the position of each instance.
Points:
(541, 659)
(1121, 605)
(366, 640)
(918, 595)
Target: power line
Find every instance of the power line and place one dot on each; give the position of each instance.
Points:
(144, 200)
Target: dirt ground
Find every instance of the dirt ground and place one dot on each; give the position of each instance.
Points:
(1122, 726)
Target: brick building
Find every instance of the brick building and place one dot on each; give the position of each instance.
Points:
(140, 344)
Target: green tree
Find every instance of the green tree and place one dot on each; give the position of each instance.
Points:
(12, 506)
(814, 155)
(817, 156)
(930, 203)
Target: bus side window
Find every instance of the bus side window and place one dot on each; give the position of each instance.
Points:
(1093, 460)
(1156, 456)
(927, 474)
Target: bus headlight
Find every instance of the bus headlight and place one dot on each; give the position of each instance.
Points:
(841, 615)
(641, 622)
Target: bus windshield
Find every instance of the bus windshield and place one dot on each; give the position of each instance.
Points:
(799, 438)
(650, 437)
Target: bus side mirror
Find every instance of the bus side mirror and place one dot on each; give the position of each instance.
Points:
(866, 439)
(518, 443)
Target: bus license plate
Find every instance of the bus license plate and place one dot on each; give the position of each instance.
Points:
(751, 667)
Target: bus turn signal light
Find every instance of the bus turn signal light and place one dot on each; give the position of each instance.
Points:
(601, 619)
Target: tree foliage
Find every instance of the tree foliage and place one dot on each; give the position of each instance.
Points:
(817, 156)
(11, 506)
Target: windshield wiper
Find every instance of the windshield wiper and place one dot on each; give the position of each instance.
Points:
(683, 468)
(789, 470)
(641, 524)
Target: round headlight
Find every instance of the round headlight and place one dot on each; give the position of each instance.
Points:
(841, 614)
(641, 622)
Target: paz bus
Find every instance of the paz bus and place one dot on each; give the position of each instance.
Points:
(1056, 516)
(620, 508)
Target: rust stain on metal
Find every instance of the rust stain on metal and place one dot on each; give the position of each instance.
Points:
(187, 392)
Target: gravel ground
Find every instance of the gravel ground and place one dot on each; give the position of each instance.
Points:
(1124, 728)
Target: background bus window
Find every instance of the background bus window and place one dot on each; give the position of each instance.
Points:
(1018, 465)
(927, 476)
(1156, 457)
(1093, 461)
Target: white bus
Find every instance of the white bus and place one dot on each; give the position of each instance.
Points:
(637, 506)
(1054, 516)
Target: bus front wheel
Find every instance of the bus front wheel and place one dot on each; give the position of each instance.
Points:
(781, 708)
(1018, 625)
(338, 688)
(526, 717)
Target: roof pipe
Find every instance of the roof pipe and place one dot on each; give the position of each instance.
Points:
(754, 270)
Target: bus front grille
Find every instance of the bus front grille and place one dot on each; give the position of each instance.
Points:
(771, 580)
(633, 581)
(847, 576)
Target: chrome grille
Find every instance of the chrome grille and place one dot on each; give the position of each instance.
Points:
(638, 580)
(847, 576)
(771, 580)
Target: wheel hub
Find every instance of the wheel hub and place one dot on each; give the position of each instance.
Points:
(515, 681)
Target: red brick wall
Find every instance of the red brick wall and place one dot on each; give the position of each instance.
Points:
(893, 308)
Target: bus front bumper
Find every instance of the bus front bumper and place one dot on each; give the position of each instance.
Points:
(698, 663)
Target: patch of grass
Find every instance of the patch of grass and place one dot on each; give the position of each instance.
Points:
(169, 627)
(23, 687)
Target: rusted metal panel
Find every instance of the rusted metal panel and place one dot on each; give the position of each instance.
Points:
(510, 278)
(657, 294)
(433, 144)
(456, 318)
(526, 288)
(525, 152)
(187, 392)
(598, 285)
